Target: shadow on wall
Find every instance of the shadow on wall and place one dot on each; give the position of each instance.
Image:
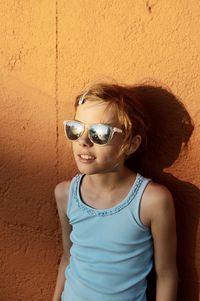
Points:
(169, 131)
(29, 238)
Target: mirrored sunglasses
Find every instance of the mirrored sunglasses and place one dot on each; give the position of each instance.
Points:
(99, 133)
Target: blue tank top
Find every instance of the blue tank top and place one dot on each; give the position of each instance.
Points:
(111, 252)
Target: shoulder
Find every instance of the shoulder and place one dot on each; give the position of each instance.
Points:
(61, 190)
(61, 193)
(158, 194)
(157, 201)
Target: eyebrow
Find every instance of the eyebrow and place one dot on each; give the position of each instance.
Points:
(108, 123)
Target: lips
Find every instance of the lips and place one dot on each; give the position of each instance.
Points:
(86, 158)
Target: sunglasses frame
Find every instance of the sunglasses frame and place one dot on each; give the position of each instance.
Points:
(87, 126)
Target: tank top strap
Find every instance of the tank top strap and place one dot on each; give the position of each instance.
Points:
(135, 205)
(72, 192)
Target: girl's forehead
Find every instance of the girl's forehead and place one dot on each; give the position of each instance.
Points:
(96, 112)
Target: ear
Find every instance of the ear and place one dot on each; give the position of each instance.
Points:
(133, 145)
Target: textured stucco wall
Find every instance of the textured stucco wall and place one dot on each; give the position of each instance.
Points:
(48, 51)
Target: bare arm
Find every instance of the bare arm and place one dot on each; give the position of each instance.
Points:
(163, 229)
(61, 196)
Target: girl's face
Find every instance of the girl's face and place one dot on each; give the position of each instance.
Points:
(102, 159)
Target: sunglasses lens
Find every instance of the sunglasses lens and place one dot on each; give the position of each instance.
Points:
(73, 130)
(100, 133)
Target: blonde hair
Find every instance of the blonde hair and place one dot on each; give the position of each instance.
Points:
(125, 101)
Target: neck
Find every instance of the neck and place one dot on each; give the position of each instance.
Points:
(110, 180)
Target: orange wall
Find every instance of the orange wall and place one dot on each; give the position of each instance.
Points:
(49, 51)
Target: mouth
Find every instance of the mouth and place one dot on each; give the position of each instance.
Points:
(86, 158)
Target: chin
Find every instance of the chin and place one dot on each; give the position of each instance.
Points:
(86, 170)
(89, 170)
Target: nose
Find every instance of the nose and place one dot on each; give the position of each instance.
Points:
(84, 139)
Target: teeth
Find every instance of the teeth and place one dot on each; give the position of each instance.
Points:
(87, 157)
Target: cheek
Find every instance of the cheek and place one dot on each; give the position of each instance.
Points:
(117, 140)
(117, 144)
(74, 147)
(108, 152)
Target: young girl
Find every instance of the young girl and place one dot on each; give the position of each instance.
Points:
(115, 222)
